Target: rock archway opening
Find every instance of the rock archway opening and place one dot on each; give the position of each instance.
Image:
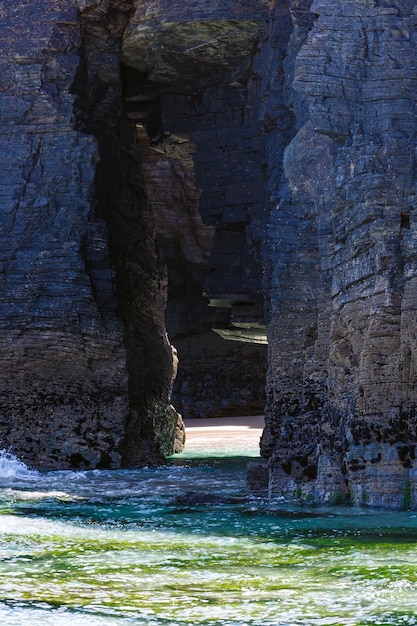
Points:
(201, 150)
(214, 310)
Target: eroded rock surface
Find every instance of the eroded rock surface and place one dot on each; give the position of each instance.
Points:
(191, 85)
(190, 166)
(63, 366)
(85, 374)
(342, 396)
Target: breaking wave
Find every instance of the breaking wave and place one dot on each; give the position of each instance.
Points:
(12, 468)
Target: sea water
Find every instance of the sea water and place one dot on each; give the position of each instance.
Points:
(99, 548)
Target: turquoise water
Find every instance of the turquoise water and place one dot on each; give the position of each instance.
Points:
(124, 547)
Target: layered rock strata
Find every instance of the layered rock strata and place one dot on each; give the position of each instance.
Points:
(94, 241)
(190, 166)
(341, 386)
(85, 374)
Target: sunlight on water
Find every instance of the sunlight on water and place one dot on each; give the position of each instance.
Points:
(185, 545)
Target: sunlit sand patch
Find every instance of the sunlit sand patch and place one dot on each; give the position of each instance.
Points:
(224, 435)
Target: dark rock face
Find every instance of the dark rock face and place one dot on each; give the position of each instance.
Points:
(86, 375)
(63, 374)
(100, 228)
(219, 377)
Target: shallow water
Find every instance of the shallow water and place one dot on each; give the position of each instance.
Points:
(123, 547)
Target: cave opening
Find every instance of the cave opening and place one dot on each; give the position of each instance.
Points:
(200, 149)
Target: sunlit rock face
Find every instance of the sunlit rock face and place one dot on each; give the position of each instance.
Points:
(341, 415)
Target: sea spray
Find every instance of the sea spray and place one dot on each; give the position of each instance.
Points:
(12, 468)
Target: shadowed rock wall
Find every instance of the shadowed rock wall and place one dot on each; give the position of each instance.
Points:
(85, 375)
(100, 228)
(63, 366)
(192, 81)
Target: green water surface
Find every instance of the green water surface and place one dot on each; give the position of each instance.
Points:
(124, 547)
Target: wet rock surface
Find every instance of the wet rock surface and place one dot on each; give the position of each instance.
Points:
(196, 498)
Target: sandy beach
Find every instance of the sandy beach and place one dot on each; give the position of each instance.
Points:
(224, 435)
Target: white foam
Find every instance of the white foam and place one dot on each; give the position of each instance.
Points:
(12, 468)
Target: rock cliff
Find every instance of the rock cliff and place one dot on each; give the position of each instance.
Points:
(171, 168)
(341, 413)
(86, 365)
